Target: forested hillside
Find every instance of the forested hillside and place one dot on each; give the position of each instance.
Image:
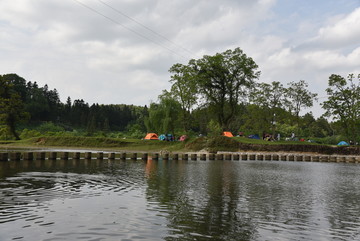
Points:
(41, 105)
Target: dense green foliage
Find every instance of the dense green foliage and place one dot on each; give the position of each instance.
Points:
(224, 81)
(343, 103)
(42, 110)
(208, 95)
(220, 93)
(11, 105)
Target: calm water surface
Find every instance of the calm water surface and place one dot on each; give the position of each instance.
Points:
(178, 200)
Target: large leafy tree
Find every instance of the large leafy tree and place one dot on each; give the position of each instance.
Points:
(271, 99)
(255, 120)
(299, 97)
(11, 106)
(18, 85)
(223, 80)
(184, 90)
(343, 103)
(163, 116)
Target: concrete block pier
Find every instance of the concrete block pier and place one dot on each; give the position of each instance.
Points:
(220, 156)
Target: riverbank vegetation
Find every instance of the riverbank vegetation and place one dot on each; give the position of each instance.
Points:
(207, 96)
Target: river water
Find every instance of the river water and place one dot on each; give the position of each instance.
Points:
(178, 200)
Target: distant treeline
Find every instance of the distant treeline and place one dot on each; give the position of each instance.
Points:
(43, 105)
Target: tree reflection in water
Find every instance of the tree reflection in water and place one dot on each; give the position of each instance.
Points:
(181, 200)
(255, 200)
(202, 203)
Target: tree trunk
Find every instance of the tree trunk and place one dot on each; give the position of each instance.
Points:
(12, 129)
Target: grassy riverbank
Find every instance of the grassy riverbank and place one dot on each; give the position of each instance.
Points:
(92, 143)
(209, 144)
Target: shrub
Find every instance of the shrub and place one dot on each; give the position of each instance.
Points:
(4, 133)
(222, 143)
(26, 134)
(286, 130)
(135, 131)
(332, 140)
(214, 128)
(196, 144)
(49, 127)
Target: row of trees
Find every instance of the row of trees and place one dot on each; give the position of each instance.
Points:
(208, 95)
(224, 87)
(29, 105)
(220, 92)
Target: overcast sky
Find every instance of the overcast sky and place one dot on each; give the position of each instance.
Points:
(120, 51)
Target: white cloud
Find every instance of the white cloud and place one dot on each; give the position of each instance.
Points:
(331, 59)
(340, 32)
(344, 32)
(354, 58)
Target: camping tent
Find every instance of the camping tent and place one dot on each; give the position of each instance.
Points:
(162, 137)
(170, 137)
(227, 133)
(151, 136)
(183, 138)
(255, 136)
(343, 143)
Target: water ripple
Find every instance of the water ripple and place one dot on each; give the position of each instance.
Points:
(20, 195)
(164, 200)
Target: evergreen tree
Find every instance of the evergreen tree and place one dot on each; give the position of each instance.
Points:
(11, 107)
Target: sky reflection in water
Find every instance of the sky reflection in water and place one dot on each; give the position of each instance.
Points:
(178, 200)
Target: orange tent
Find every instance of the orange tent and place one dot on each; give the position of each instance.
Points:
(227, 133)
(151, 136)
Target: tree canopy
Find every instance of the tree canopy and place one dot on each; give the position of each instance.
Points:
(343, 103)
(184, 90)
(11, 107)
(271, 99)
(222, 81)
(299, 97)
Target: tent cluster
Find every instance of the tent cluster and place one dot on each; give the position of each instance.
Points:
(163, 137)
(170, 137)
(229, 134)
(256, 136)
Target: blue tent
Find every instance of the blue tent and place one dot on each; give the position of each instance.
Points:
(256, 136)
(162, 137)
(169, 137)
(343, 143)
(166, 137)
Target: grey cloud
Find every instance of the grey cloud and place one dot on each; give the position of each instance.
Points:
(86, 55)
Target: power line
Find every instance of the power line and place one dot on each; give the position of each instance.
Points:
(129, 29)
(144, 26)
